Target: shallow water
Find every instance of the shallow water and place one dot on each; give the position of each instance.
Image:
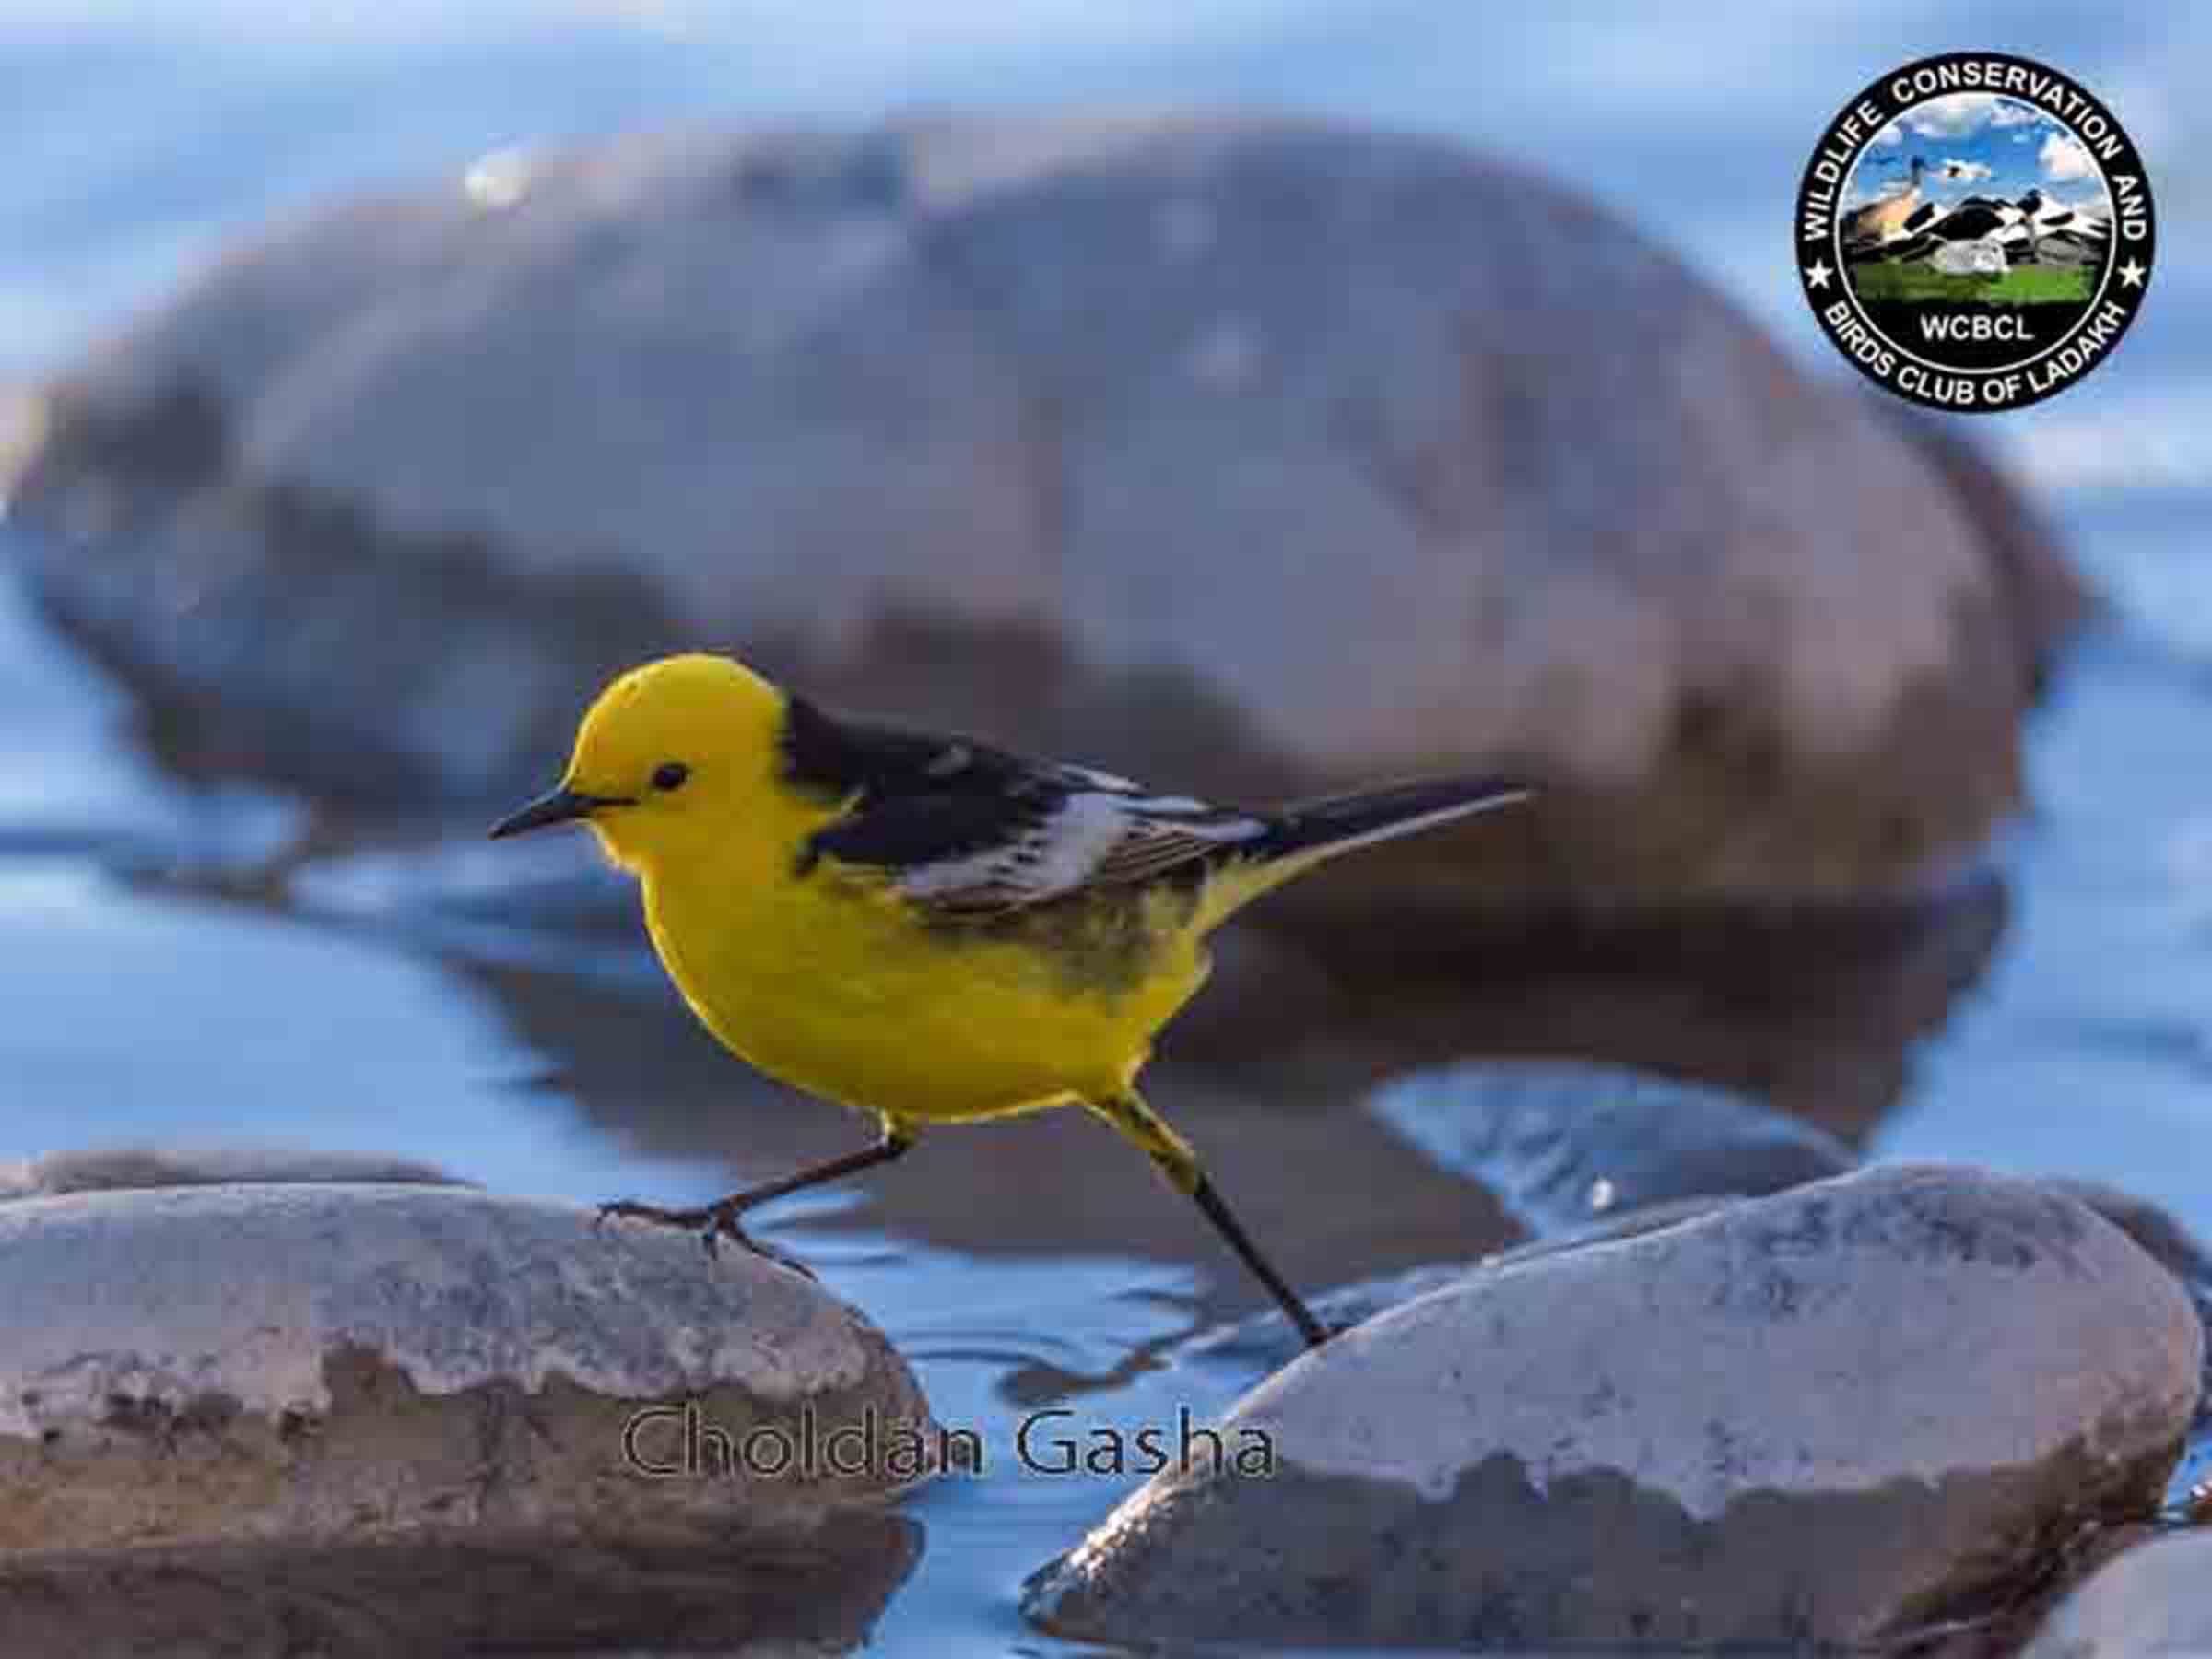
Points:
(164, 991)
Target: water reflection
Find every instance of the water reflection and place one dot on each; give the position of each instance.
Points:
(821, 1593)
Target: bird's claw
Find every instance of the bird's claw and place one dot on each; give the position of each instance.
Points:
(725, 1225)
(713, 1224)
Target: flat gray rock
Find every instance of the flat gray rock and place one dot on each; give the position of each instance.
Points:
(1824, 1416)
(330, 1364)
(1250, 455)
(2154, 1602)
(1563, 1143)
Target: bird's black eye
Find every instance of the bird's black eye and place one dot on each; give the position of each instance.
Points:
(670, 775)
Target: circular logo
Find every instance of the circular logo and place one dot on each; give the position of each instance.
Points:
(1975, 231)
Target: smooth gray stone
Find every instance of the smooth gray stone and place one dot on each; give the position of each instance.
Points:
(2154, 1602)
(1824, 1416)
(324, 1365)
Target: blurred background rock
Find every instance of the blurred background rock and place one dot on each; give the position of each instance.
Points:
(1253, 456)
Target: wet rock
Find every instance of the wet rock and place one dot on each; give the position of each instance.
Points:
(1265, 1341)
(2154, 1602)
(1563, 1143)
(2181, 1254)
(1095, 434)
(1823, 1415)
(313, 1364)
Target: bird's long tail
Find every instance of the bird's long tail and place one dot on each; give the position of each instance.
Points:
(1315, 831)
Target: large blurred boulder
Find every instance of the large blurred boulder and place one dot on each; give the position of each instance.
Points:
(1253, 456)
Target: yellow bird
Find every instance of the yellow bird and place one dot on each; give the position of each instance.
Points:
(925, 927)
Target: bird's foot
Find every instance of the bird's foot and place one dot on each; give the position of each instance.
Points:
(713, 1223)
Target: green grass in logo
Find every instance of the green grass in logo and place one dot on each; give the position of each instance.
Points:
(2024, 284)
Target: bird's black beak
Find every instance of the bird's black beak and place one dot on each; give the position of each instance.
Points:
(559, 806)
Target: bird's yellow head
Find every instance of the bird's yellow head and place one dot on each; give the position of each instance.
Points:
(669, 755)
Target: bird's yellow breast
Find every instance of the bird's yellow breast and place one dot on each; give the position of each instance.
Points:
(838, 985)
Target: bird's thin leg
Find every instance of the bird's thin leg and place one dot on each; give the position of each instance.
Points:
(1130, 1113)
(723, 1218)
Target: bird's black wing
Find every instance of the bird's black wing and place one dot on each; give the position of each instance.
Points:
(960, 826)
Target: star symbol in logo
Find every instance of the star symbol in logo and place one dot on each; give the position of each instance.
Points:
(2133, 274)
(1818, 273)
